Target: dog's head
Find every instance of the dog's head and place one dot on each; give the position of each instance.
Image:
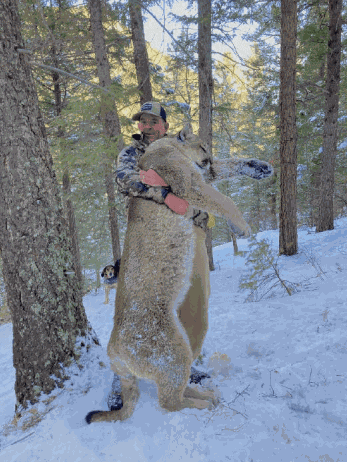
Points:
(111, 271)
(108, 272)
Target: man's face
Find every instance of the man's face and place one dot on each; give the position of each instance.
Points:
(152, 127)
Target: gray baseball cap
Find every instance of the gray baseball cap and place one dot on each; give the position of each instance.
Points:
(151, 108)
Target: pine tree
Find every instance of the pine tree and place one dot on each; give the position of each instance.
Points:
(42, 290)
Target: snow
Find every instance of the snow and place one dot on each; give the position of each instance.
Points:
(279, 365)
(342, 145)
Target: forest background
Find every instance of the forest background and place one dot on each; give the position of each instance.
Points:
(245, 107)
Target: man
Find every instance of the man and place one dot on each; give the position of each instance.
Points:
(153, 126)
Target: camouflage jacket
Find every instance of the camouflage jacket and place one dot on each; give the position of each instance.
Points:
(129, 184)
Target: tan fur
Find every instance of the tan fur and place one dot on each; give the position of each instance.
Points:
(108, 273)
(160, 319)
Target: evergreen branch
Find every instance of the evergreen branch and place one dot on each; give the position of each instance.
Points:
(275, 268)
(230, 59)
(49, 30)
(167, 31)
(307, 82)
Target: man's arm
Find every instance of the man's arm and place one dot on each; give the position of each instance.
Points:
(128, 178)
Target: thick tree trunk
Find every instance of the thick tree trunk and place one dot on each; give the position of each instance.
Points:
(41, 287)
(140, 52)
(288, 238)
(110, 120)
(328, 156)
(205, 90)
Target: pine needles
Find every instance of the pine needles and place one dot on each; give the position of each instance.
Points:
(262, 276)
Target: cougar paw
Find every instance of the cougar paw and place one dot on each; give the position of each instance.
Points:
(212, 397)
(257, 169)
(197, 376)
(215, 399)
(241, 233)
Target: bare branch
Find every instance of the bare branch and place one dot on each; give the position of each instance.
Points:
(59, 71)
(51, 68)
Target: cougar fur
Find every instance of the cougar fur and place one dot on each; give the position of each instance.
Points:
(160, 319)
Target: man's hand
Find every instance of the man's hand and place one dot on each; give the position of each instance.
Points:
(151, 178)
(176, 204)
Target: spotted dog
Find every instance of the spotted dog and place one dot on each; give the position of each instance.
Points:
(110, 275)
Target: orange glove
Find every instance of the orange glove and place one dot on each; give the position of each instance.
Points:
(151, 178)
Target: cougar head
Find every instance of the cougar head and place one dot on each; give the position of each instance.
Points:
(202, 156)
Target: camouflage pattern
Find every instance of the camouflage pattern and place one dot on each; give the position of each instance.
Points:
(129, 184)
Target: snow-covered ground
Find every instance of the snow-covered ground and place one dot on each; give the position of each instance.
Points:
(280, 369)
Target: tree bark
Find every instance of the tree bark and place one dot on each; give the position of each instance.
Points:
(328, 156)
(110, 120)
(288, 238)
(72, 228)
(140, 52)
(272, 200)
(205, 90)
(43, 297)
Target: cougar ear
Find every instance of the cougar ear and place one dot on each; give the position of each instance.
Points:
(186, 130)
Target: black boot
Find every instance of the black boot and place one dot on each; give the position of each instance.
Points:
(196, 376)
(114, 399)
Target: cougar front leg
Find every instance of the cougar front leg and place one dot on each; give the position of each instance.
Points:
(204, 197)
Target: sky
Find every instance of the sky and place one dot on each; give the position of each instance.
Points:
(159, 39)
(278, 365)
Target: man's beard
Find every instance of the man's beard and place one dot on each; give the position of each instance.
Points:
(147, 140)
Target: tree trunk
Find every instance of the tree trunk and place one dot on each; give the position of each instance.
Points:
(328, 156)
(140, 52)
(109, 118)
(205, 90)
(236, 249)
(288, 238)
(272, 200)
(72, 228)
(70, 214)
(42, 290)
(315, 170)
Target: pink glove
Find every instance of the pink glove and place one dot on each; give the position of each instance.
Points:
(176, 204)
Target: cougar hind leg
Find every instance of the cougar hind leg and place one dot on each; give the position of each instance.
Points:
(172, 397)
(208, 395)
(193, 312)
(172, 379)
